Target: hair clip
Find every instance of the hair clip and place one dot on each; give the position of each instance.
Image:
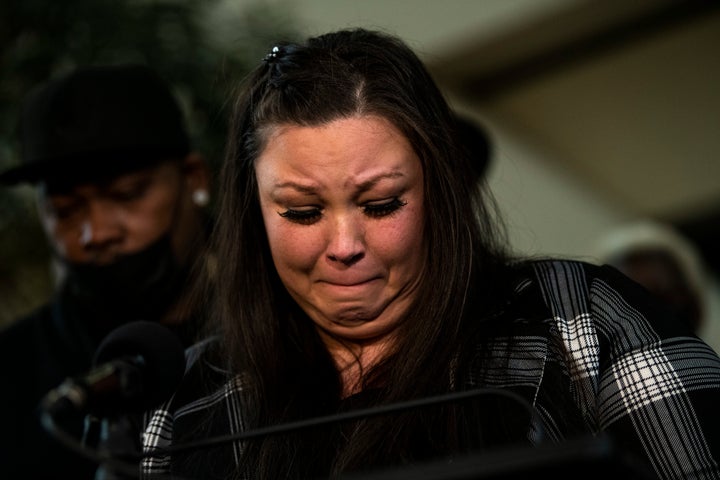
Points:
(272, 55)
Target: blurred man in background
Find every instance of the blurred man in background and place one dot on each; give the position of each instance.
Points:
(662, 260)
(122, 197)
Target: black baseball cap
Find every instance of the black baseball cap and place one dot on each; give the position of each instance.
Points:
(97, 121)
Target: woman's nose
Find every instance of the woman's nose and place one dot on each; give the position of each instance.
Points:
(347, 245)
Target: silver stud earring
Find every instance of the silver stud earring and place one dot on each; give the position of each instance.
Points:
(201, 197)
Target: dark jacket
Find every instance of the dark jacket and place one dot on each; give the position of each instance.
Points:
(37, 353)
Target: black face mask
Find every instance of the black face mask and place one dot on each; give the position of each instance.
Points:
(139, 286)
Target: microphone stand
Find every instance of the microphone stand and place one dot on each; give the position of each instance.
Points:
(115, 442)
(113, 456)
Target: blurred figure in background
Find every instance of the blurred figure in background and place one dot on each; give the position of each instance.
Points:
(122, 197)
(662, 260)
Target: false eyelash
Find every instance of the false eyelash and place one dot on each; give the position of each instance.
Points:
(301, 216)
(384, 209)
(307, 217)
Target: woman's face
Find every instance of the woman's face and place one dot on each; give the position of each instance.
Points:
(343, 210)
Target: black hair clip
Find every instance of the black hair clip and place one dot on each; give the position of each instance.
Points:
(272, 56)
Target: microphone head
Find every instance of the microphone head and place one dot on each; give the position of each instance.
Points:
(162, 358)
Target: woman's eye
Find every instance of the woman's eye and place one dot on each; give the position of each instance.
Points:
(303, 217)
(383, 209)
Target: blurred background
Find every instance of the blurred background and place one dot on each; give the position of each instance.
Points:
(599, 113)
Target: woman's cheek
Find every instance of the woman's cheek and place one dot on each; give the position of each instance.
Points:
(294, 247)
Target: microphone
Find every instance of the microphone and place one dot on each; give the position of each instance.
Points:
(136, 367)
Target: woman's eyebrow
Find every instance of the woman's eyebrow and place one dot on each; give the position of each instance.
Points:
(371, 182)
(302, 188)
(361, 187)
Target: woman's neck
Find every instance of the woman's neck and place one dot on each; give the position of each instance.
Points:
(354, 360)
